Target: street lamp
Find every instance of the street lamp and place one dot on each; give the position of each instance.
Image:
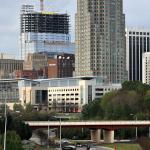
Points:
(149, 133)
(5, 132)
(136, 129)
(48, 134)
(59, 130)
(147, 118)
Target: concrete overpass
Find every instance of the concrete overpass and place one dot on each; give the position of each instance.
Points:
(108, 126)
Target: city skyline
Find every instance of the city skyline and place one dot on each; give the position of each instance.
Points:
(10, 25)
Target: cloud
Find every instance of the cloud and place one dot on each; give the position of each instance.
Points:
(137, 14)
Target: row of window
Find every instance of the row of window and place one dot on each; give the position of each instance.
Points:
(139, 33)
(63, 99)
(62, 90)
(72, 94)
(64, 104)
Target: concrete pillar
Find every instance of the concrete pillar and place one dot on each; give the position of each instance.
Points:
(108, 136)
(95, 135)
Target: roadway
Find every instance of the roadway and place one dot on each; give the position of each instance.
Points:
(95, 148)
(92, 148)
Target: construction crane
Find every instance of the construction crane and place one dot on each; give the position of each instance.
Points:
(41, 5)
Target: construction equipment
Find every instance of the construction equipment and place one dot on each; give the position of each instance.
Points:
(42, 5)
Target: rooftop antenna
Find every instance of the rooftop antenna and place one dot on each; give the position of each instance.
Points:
(42, 5)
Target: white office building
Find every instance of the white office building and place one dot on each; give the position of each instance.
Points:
(59, 94)
(137, 43)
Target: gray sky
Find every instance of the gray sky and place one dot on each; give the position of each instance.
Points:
(137, 14)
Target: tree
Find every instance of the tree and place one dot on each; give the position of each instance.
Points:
(22, 129)
(1, 125)
(13, 141)
(75, 133)
(136, 86)
(133, 98)
(92, 110)
(119, 104)
(29, 108)
(146, 103)
(18, 107)
(42, 136)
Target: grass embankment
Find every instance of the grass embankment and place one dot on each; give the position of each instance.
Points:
(121, 146)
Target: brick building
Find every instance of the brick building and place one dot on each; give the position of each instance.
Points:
(61, 65)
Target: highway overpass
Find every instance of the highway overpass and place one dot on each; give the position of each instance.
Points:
(108, 126)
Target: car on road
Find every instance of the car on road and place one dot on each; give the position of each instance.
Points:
(92, 148)
(69, 147)
(63, 141)
(78, 145)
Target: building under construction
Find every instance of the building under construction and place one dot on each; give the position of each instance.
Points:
(44, 31)
(45, 23)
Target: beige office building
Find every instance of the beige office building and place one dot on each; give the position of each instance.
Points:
(8, 66)
(100, 39)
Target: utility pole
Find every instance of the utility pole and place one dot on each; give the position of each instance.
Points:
(60, 131)
(136, 129)
(48, 134)
(5, 132)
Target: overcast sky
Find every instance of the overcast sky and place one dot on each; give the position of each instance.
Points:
(137, 14)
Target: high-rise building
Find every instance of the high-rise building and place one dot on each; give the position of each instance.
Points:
(137, 42)
(44, 31)
(100, 39)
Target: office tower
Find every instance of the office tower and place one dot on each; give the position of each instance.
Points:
(44, 31)
(100, 39)
(137, 42)
(146, 68)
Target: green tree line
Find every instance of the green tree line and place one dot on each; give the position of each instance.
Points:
(133, 100)
(22, 129)
(129, 103)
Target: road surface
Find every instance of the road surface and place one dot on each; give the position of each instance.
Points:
(94, 148)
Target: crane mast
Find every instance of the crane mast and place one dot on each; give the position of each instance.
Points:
(42, 5)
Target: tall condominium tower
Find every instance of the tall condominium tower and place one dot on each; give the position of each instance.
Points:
(100, 39)
(137, 42)
(44, 31)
